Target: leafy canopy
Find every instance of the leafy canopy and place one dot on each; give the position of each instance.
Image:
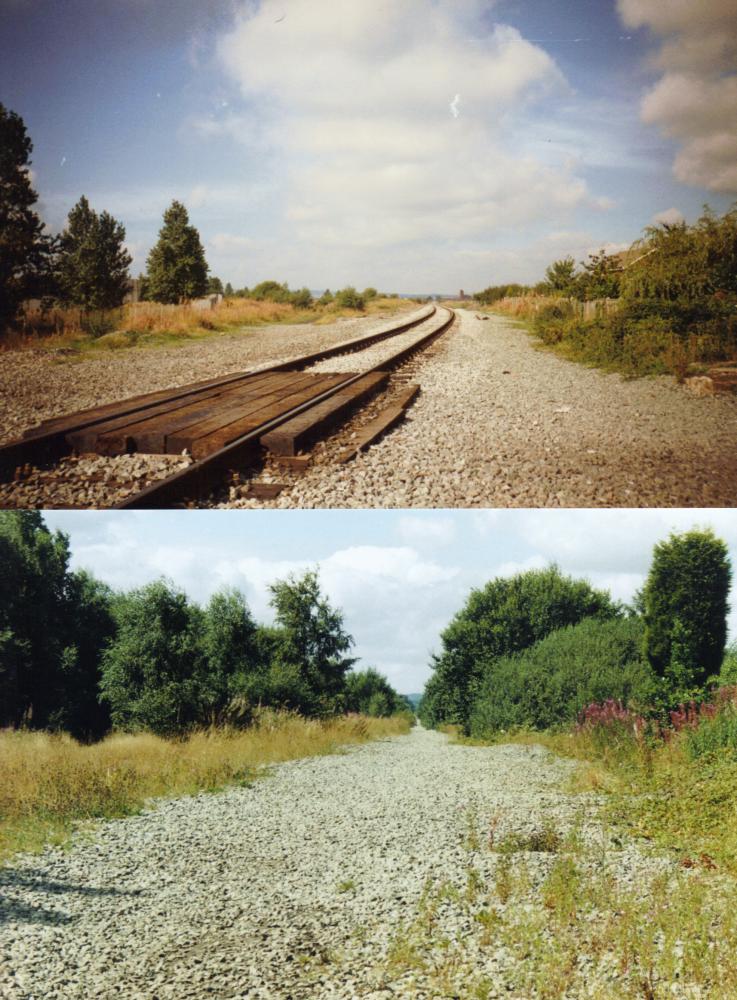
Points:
(685, 609)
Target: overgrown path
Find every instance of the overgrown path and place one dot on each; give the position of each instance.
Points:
(309, 883)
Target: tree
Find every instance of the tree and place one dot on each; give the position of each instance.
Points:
(177, 269)
(228, 293)
(215, 286)
(33, 607)
(685, 602)
(90, 626)
(230, 648)
(92, 267)
(600, 277)
(370, 693)
(506, 616)
(561, 276)
(310, 644)
(152, 672)
(23, 247)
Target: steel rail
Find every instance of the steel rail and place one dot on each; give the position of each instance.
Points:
(200, 477)
(48, 445)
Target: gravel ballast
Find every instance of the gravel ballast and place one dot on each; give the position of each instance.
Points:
(293, 887)
(501, 424)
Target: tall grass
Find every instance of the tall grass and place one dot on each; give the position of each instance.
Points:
(50, 782)
(145, 322)
(151, 323)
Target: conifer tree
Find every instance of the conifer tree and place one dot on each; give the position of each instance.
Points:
(93, 263)
(177, 269)
(23, 246)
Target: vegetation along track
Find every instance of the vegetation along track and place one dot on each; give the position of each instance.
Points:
(175, 446)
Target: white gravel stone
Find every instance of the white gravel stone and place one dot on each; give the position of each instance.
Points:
(291, 888)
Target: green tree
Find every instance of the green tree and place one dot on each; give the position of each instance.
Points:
(89, 626)
(506, 616)
(92, 264)
(24, 249)
(214, 286)
(230, 649)
(153, 671)
(370, 693)
(600, 277)
(228, 292)
(561, 276)
(177, 269)
(685, 610)
(310, 645)
(34, 603)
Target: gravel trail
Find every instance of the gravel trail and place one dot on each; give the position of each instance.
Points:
(501, 424)
(294, 887)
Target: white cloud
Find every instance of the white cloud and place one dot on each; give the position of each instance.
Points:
(668, 217)
(695, 100)
(357, 100)
(426, 529)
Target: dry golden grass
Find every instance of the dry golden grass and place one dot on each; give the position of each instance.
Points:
(145, 322)
(51, 781)
(149, 323)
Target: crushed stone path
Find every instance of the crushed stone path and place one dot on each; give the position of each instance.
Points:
(293, 887)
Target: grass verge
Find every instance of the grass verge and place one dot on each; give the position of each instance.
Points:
(51, 782)
(149, 324)
(624, 340)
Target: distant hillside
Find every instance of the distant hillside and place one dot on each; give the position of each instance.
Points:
(415, 699)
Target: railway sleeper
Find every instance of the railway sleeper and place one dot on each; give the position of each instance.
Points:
(294, 435)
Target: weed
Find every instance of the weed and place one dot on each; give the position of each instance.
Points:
(348, 885)
(545, 840)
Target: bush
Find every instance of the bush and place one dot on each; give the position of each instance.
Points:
(550, 683)
(728, 673)
(349, 298)
(503, 618)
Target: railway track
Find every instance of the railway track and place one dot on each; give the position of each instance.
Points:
(175, 446)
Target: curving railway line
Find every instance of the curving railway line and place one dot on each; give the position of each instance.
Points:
(176, 446)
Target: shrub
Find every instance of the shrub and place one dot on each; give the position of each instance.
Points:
(499, 620)
(550, 683)
(349, 298)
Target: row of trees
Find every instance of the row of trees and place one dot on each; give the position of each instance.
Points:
(79, 657)
(535, 648)
(87, 264)
(598, 277)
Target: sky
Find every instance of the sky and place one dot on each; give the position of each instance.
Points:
(421, 146)
(398, 576)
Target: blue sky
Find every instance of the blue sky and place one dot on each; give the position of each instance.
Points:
(421, 146)
(399, 576)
